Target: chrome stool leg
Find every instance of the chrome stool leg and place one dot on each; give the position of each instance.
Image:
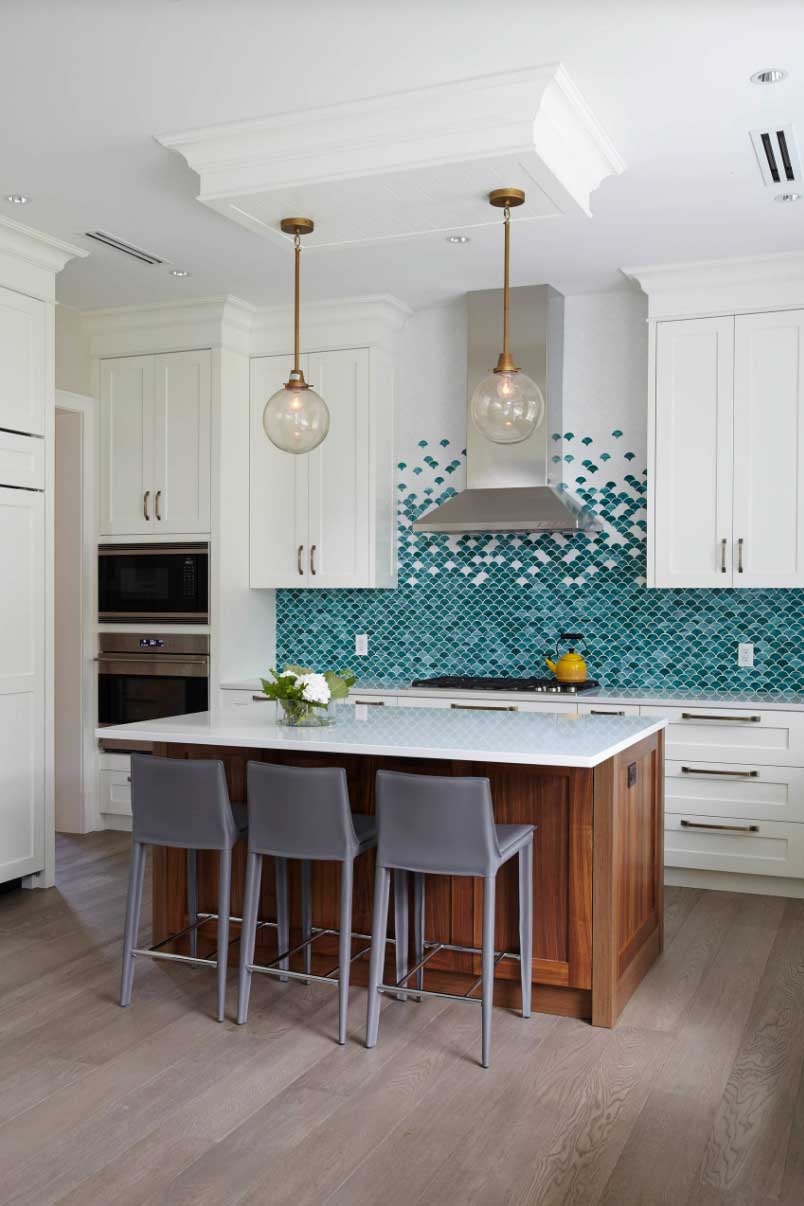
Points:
(133, 910)
(248, 932)
(525, 859)
(401, 926)
(192, 898)
(379, 929)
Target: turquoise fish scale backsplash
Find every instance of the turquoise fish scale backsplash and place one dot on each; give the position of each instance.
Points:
(494, 604)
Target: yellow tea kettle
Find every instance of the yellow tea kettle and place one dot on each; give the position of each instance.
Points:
(570, 667)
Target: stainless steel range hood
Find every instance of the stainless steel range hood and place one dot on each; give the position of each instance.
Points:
(515, 487)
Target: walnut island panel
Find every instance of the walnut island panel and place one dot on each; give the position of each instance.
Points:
(593, 786)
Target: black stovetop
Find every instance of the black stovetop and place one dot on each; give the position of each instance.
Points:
(542, 686)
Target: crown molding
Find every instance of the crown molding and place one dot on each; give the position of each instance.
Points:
(727, 286)
(232, 323)
(535, 113)
(30, 259)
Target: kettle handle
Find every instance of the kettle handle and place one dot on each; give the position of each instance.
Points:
(572, 636)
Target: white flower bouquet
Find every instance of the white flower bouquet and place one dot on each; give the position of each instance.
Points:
(304, 697)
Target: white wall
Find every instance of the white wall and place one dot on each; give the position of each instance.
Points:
(432, 379)
(73, 364)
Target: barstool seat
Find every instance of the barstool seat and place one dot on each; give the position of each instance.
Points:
(444, 826)
(183, 804)
(302, 813)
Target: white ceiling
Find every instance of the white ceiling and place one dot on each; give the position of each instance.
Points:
(88, 83)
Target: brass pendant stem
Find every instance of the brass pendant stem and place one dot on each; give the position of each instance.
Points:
(297, 259)
(506, 280)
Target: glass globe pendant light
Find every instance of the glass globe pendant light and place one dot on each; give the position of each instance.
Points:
(296, 418)
(507, 406)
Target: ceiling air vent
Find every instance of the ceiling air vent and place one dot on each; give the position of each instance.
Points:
(101, 236)
(777, 154)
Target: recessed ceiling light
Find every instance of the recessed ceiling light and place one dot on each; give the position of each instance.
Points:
(787, 197)
(17, 198)
(458, 239)
(178, 272)
(768, 75)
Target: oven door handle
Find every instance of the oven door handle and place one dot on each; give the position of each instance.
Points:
(136, 665)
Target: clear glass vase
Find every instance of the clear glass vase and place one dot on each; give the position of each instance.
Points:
(300, 715)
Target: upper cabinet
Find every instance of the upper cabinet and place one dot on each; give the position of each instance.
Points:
(155, 444)
(326, 519)
(22, 363)
(728, 452)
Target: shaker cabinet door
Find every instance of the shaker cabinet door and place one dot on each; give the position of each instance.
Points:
(22, 363)
(127, 485)
(692, 490)
(279, 553)
(769, 449)
(339, 503)
(182, 478)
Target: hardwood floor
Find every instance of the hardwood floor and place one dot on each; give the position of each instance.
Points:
(695, 1099)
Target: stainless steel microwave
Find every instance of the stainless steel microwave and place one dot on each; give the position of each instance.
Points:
(155, 583)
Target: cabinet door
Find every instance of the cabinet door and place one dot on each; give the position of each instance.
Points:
(692, 488)
(22, 363)
(182, 481)
(278, 510)
(340, 486)
(769, 449)
(22, 708)
(127, 446)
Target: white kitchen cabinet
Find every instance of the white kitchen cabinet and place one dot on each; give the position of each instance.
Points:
(729, 789)
(768, 525)
(608, 709)
(22, 682)
(326, 519)
(155, 444)
(693, 431)
(22, 363)
(748, 735)
(727, 452)
(732, 844)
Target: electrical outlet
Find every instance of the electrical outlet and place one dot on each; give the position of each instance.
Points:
(361, 644)
(745, 654)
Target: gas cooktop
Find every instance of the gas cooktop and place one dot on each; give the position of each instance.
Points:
(543, 686)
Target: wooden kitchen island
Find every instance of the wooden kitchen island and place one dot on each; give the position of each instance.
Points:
(591, 784)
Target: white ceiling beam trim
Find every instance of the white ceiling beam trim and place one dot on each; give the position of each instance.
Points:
(408, 148)
(30, 259)
(741, 284)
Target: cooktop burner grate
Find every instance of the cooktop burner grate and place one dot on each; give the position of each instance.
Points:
(543, 686)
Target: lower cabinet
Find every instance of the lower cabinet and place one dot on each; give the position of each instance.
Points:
(114, 790)
(732, 844)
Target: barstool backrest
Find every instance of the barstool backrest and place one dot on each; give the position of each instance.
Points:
(299, 812)
(436, 823)
(181, 802)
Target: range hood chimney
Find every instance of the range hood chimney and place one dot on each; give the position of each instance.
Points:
(515, 487)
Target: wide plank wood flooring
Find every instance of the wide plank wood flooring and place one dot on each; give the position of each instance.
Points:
(695, 1099)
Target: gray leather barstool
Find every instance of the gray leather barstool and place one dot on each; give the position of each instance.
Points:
(304, 813)
(442, 826)
(184, 804)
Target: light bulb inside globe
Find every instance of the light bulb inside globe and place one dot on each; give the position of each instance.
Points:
(296, 419)
(507, 407)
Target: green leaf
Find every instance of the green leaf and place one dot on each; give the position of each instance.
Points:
(338, 687)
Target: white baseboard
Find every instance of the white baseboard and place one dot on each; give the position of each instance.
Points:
(110, 820)
(733, 881)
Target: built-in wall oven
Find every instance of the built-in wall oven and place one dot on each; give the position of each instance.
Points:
(153, 583)
(145, 676)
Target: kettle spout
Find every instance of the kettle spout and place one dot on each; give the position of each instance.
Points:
(550, 665)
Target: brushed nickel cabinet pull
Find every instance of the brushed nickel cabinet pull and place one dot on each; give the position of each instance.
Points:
(726, 719)
(484, 707)
(605, 712)
(746, 774)
(725, 828)
(312, 560)
(145, 498)
(371, 703)
(723, 555)
(156, 505)
(740, 543)
(299, 552)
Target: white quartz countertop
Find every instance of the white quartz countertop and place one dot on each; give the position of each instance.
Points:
(783, 700)
(531, 739)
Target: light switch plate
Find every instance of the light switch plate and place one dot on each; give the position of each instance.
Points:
(361, 644)
(745, 654)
